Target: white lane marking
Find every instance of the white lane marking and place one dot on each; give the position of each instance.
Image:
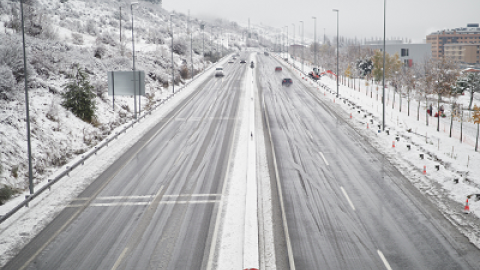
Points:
(348, 198)
(148, 203)
(387, 265)
(324, 159)
(309, 134)
(133, 197)
(119, 260)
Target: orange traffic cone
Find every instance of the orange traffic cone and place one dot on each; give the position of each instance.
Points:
(424, 169)
(350, 115)
(466, 209)
(367, 125)
(393, 144)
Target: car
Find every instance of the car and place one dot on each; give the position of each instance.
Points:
(219, 72)
(287, 82)
(243, 61)
(265, 53)
(230, 61)
(234, 58)
(278, 69)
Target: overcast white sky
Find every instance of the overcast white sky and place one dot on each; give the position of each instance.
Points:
(358, 18)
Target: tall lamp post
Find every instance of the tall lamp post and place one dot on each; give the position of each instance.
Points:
(338, 11)
(27, 108)
(294, 50)
(315, 40)
(303, 49)
(173, 66)
(134, 76)
(287, 41)
(383, 94)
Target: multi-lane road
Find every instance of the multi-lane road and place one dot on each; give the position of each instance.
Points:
(155, 207)
(337, 202)
(346, 207)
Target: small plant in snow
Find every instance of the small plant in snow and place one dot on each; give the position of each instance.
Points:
(77, 38)
(79, 97)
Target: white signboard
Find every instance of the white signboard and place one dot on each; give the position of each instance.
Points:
(126, 83)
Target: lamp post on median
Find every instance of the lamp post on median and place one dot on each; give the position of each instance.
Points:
(337, 11)
(315, 40)
(173, 66)
(294, 50)
(303, 49)
(134, 77)
(287, 41)
(383, 95)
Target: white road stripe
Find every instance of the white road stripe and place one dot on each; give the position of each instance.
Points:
(148, 203)
(387, 265)
(119, 260)
(348, 199)
(324, 159)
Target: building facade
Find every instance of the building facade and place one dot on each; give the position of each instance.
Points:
(462, 36)
(410, 54)
(463, 53)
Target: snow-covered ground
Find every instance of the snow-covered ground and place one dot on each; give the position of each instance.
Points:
(408, 138)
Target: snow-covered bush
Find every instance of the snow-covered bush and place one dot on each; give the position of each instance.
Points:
(91, 27)
(7, 82)
(11, 55)
(179, 46)
(100, 51)
(77, 38)
(106, 38)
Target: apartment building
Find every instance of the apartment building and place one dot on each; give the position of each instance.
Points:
(460, 36)
(463, 53)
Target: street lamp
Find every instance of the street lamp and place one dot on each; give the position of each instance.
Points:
(303, 49)
(27, 107)
(383, 95)
(337, 11)
(173, 66)
(287, 41)
(134, 77)
(315, 40)
(294, 50)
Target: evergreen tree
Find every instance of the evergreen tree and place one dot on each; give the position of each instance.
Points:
(79, 97)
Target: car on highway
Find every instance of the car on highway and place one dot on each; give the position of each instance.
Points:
(287, 82)
(219, 72)
(243, 61)
(278, 68)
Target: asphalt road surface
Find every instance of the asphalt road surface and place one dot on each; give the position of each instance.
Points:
(156, 206)
(346, 207)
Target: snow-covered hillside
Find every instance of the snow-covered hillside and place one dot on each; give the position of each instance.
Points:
(62, 36)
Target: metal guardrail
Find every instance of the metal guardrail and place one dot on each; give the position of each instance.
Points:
(91, 152)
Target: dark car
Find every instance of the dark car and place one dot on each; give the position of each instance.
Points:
(278, 69)
(243, 61)
(287, 82)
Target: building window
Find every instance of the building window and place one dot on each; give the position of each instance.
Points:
(404, 52)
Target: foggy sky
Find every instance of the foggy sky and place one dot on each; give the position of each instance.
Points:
(412, 19)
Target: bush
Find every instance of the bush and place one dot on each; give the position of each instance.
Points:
(91, 27)
(11, 55)
(99, 51)
(184, 72)
(79, 97)
(77, 38)
(6, 193)
(7, 82)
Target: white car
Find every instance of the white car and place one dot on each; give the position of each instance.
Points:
(219, 72)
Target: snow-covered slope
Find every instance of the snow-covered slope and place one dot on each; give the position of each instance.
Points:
(64, 35)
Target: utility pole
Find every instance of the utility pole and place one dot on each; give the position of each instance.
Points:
(315, 41)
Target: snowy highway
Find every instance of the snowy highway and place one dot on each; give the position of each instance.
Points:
(156, 207)
(346, 206)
